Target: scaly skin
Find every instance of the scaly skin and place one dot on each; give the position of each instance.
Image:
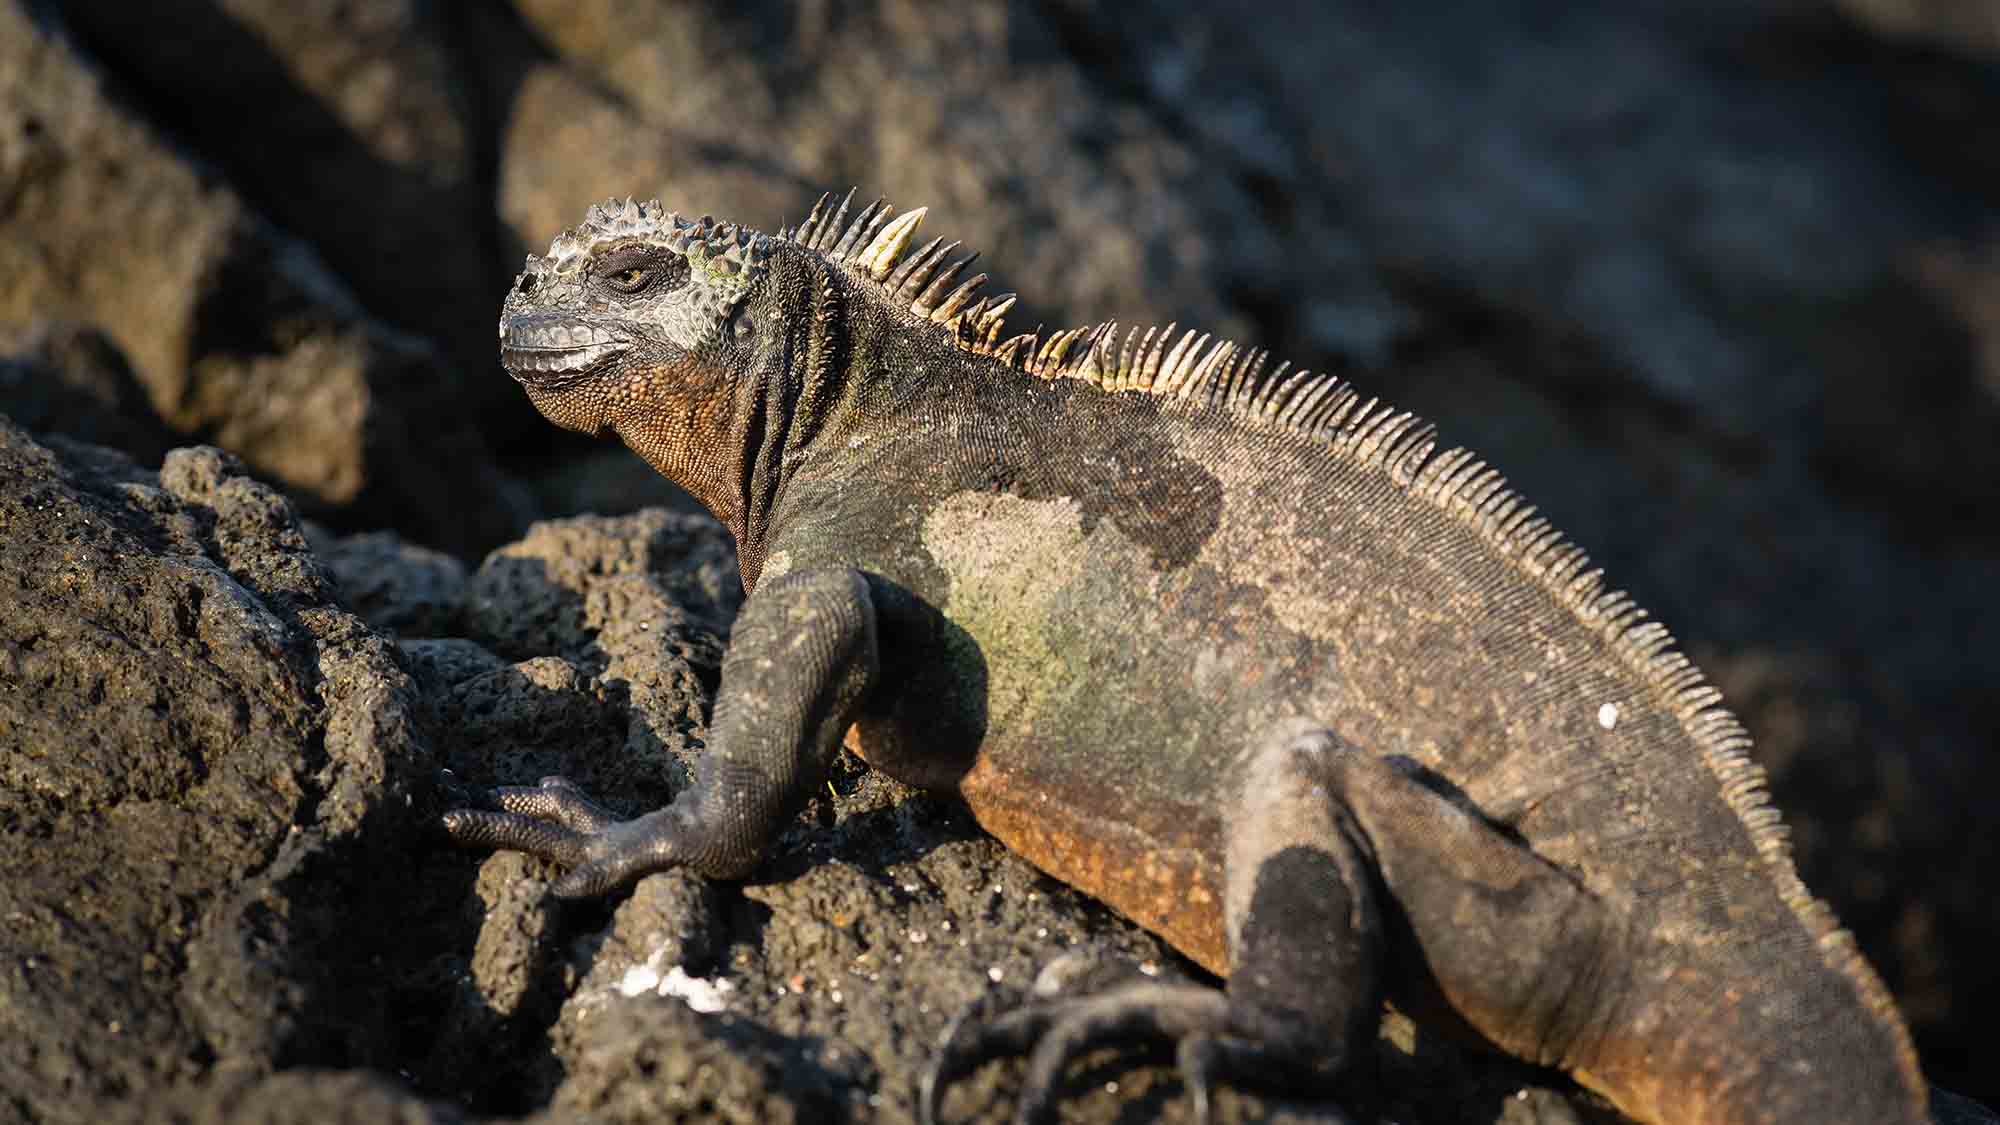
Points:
(1244, 658)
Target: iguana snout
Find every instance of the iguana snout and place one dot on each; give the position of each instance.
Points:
(543, 350)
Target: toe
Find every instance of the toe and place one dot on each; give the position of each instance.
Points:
(515, 832)
(556, 799)
(1145, 1014)
(977, 1036)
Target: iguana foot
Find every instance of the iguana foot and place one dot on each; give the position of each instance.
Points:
(557, 821)
(801, 658)
(1054, 1032)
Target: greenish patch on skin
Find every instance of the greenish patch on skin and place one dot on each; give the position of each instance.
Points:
(1009, 562)
(727, 281)
(1067, 620)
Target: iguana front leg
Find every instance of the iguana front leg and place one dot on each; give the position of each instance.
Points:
(801, 661)
(1324, 842)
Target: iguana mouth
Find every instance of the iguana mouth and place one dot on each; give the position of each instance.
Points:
(535, 349)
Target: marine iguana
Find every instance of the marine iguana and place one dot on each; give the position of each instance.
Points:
(1215, 641)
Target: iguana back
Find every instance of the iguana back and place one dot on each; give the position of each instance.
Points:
(1291, 550)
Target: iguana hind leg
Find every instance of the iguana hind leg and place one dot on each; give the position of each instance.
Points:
(1328, 851)
(802, 658)
(1305, 946)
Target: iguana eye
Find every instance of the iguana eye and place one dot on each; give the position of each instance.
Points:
(635, 269)
(742, 326)
(630, 280)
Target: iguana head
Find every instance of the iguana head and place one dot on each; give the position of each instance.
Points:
(632, 309)
(672, 333)
(696, 340)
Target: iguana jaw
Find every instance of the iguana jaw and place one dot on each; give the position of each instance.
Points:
(561, 361)
(541, 349)
(553, 356)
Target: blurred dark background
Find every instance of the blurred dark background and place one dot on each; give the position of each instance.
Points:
(1717, 284)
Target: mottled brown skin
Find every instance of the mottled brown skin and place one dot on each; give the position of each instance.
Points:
(1309, 710)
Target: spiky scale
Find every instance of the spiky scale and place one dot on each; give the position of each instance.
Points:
(831, 228)
(996, 309)
(958, 298)
(1011, 351)
(857, 231)
(885, 250)
(928, 301)
(901, 282)
(807, 232)
(1131, 357)
(865, 233)
(1049, 359)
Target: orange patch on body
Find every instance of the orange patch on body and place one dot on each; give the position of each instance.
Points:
(1175, 892)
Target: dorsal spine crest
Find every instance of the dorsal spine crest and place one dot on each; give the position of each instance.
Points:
(1192, 368)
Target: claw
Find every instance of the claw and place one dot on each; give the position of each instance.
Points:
(455, 790)
(1143, 1013)
(1196, 1059)
(1055, 1028)
(1082, 972)
(971, 1040)
(554, 820)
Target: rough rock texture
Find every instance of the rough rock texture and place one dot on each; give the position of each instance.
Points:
(72, 380)
(238, 332)
(232, 905)
(987, 118)
(198, 751)
(1967, 24)
(210, 769)
(1717, 284)
(356, 102)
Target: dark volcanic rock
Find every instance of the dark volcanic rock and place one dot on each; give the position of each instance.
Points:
(227, 903)
(1966, 24)
(304, 1096)
(72, 380)
(1086, 204)
(355, 102)
(398, 588)
(824, 982)
(194, 743)
(238, 332)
